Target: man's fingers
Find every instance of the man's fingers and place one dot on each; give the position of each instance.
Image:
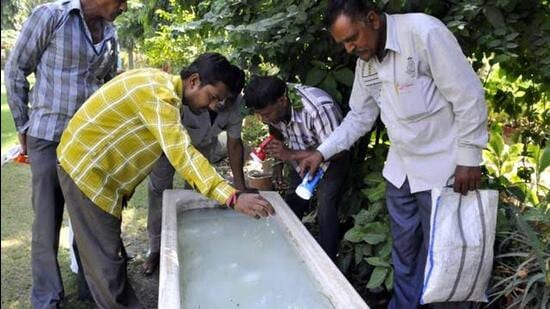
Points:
(256, 206)
(302, 167)
(464, 187)
(467, 178)
(312, 171)
(472, 185)
(261, 211)
(265, 205)
(459, 186)
(248, 211)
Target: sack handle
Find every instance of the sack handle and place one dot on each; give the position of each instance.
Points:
(449, 185)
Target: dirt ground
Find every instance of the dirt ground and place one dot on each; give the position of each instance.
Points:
(146, 287)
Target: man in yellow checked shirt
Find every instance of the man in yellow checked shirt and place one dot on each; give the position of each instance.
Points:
(112, 143)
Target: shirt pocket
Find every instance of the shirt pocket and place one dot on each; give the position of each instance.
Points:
(411, 101)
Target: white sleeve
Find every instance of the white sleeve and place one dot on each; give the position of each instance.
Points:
(459, 84)
(358, 121)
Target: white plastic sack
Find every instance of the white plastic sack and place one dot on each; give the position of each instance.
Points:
(11, 154)
(460, 254)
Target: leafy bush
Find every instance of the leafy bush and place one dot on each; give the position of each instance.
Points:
(521, 272)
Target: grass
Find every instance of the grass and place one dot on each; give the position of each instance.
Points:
(9, 135)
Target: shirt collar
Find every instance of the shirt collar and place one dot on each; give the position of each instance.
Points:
(109, 30)
(296, 106)
(294, 115)
(74, 5)
(391, 35)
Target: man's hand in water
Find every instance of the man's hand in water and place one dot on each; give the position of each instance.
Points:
(254, 205)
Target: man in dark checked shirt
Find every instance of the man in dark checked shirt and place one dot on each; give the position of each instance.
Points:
(302, 117)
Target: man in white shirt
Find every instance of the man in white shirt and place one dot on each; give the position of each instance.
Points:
(412, 71)
(301, 117)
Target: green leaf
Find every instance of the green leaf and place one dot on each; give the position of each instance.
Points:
(512, 36)
(344, 76)
(374, 239)
(494, 16)
(533, 279)
(378, 227)
(373, 178)
(292, 9)
(544, 160)
(500, 32)
(454, 23)
(358, 253)
(537, 214)
(496, 144)
(377, 277)
(345, 262)
(355, 234)
(319, 64)
(389, 281)
(377, 193)
(377, 261)
(493, 43)
(329, 84)
(362, 217)
(315, 76)
(385, 249)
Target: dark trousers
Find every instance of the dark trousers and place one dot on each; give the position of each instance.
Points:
(160, 179)
(410, 228)
(47, 203)
(328, 193)
(97, 234)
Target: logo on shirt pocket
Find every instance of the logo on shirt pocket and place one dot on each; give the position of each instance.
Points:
(411, 67)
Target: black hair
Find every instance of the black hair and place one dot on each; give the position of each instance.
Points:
(263, 91)
(213, 68)
(237, 84)
(357, 10)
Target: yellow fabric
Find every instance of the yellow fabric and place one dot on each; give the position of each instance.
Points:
(113, 141)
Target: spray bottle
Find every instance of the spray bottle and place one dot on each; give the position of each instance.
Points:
(259, 154)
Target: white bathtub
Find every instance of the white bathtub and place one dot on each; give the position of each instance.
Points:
(332, 284)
